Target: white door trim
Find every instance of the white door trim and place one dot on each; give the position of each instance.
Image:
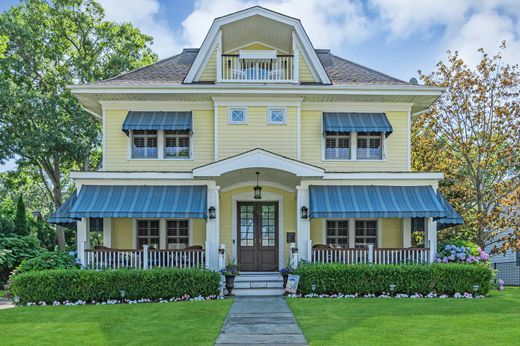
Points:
(266, 197)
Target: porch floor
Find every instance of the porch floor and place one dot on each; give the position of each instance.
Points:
(260, 321)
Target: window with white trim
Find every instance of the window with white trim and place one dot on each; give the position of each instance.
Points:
(337, 146)
(177, 144)
(177, 234)
(276, 116)
(95, 231)
(148, 233)
(369, 146)
(366, 233)
(237, 115)
(144, 144)
(337, 233)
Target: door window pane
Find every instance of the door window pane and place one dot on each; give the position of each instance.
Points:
(268, 225)
(246, 226)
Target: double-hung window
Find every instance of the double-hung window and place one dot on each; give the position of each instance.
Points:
(337, 233)
(418, 231)
(177, 233)
(369, 146)
(144, 144)
(148, 233)
(337, 146)
(176, 144)
(366, 233)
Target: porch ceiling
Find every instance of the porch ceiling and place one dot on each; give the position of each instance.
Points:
(268, 177)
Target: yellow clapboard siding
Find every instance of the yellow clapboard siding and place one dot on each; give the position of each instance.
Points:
(304, 73)
(209, 74)
(117, 144)
(257, 133)
(226, 211)
(199, 232)
(253, 46)
(397, 146)
(122, 233)
(392, 233)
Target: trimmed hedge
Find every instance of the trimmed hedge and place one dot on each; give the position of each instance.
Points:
(409, 279)
(90, 285)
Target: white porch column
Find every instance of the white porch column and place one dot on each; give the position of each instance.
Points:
(82, 239)
(407, 232)
(431, 237)
(107, 232)
(303, 229)
(213, 229)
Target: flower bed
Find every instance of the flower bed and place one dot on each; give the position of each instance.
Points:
(461, 251)
(365, 279)
(66, 286)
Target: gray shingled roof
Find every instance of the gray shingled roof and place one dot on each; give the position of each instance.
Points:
(173, 70)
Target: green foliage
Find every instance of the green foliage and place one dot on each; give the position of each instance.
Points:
(48, 260)
(13, 250)
(6, 224)
(409, 279)
(91, 285)
(20, 218)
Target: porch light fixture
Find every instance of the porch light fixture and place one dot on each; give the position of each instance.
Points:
(392, 289)
(212, 212)
(305, 212)
(257, 188)
(122, 293)
(475, 290)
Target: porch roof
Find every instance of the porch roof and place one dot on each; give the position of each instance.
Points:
(175, 121)
(452, 218)
(121, 201)
(62, 215)
(347, 201)
(356, 122)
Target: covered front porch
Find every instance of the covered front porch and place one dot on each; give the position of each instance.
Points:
(212, 216)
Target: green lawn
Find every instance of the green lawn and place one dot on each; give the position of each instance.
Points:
(181, 323)
(491, 321)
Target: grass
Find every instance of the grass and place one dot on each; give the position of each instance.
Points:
(490, 321)
(181, 323)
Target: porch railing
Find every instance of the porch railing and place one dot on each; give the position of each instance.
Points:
(371, 255)
(235, 69)
(144, 258)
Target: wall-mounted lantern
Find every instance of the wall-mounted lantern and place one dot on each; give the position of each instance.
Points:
(212, 212)
(305, 212)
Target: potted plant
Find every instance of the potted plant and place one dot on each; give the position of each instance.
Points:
(229, 272)
(286, 270)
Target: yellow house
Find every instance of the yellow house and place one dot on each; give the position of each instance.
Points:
(258, 148)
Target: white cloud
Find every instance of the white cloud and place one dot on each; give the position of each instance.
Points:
(467, 24)
(144, 14)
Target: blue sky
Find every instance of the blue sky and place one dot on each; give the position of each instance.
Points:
(397, 37)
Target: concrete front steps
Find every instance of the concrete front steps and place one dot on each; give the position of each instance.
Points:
(258, 284)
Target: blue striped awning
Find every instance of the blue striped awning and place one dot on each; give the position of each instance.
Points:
(356, 122)
(374, 201)
(62, 215)
(141, 201)
(178, 121)
(451, 219)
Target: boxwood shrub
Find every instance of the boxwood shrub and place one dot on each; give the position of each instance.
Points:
(409, 279)
(90, 285)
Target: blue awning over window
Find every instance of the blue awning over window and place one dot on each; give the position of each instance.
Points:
(374, 202)
(141, 201)
(178, 121)
(356, 122)
(451, 219)
(62, 215)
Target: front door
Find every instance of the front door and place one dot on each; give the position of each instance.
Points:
(257, 236)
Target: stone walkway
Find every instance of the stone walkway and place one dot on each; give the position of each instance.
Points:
(260, 321)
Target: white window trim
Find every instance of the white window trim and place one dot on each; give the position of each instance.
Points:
(382, 138)
(353, 150)
(352, 230)
(230, 117)
(162, 232)
(160, 149)
(283, 109)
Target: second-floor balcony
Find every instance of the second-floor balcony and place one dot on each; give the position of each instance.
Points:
(278, 69)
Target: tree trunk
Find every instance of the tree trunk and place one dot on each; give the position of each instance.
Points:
(58, 200)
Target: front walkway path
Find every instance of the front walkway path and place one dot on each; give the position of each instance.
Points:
(260, 321)
(5, 303)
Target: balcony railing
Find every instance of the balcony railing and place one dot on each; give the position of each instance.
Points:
(370, 255)
(235, 69)
(144, 258)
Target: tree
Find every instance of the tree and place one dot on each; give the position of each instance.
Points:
(473, 134)
(53, 44)
(20, 218)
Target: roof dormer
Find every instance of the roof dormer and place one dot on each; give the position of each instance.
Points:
(257, 45)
